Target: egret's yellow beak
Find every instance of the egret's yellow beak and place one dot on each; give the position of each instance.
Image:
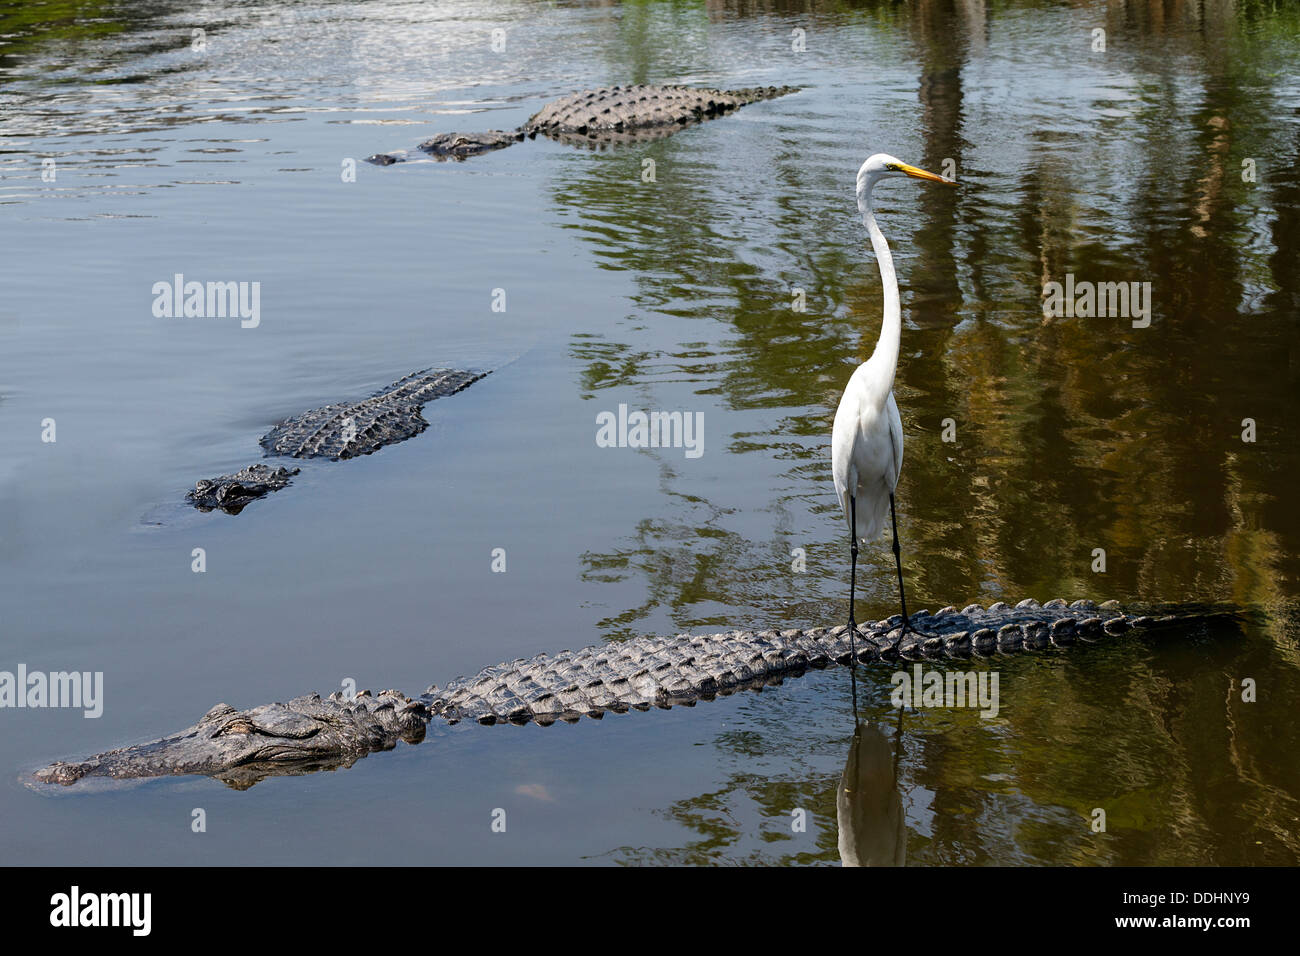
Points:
(922, 174)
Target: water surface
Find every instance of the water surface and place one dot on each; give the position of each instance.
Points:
(1071, 434)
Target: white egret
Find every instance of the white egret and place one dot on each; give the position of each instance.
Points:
(867, 441)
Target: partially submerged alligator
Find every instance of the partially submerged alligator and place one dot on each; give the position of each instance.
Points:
(241, 747)
(609, 115)
(341, 430)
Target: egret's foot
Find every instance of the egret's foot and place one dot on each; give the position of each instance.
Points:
(918, 635)
(908, 637)
(859, 640)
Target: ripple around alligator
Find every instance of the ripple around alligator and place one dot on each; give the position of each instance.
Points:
(608, 116)
(338, 431)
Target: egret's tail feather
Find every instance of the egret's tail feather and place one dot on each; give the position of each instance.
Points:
(871, 516)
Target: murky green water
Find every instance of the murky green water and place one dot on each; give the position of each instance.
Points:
(1172, 157)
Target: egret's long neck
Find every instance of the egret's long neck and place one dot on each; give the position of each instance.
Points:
(886, 353)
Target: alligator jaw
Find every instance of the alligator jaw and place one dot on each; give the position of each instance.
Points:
(455, 146)
(232, 493)
(463, 145)
(241, 747)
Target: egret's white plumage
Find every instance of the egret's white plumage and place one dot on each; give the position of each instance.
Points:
(867, 440)
(866, 453)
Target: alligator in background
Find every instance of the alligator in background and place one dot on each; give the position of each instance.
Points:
(241, 747)
(341, 430)
(607, 116)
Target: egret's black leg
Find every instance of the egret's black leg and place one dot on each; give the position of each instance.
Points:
(853, 583)
(898, 563)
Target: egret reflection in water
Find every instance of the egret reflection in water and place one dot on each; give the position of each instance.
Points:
(868, 804)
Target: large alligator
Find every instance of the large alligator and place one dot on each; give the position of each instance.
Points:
(241, 747)
(341, 430)
(607, 116)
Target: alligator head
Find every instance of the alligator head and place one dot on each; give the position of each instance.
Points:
(241, 747)
(232, 493)
(455, 146)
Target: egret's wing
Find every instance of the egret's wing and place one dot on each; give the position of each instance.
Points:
(895, 438)
(842, 436)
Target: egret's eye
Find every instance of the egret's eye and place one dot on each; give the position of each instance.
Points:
(892, 167)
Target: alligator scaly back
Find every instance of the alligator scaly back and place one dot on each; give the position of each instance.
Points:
(241, 747)
(349, 429)
(610, 115)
